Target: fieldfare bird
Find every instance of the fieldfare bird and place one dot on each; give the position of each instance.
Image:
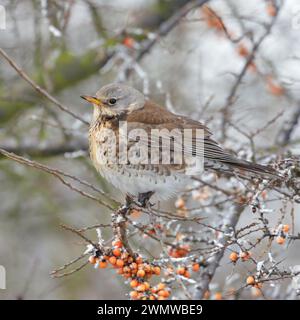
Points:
(120, 110)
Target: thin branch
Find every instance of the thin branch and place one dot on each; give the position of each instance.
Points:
(95, 245)
(54, 272)
(230, 221)
(169, 25)
(54, 275)
(42, 91)
(48, 150)
(58, 174)
(232, 95)
(288, 127)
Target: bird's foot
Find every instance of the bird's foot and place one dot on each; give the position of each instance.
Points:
(144, 199)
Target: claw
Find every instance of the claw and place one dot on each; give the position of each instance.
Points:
(144, 199)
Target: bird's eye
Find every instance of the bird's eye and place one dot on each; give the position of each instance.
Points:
(112, 101)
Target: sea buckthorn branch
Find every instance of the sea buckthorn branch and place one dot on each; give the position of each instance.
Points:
(230, 221)
(134, 268)
(55, 272)
(119, 225)
(78, 233)
(185, 262)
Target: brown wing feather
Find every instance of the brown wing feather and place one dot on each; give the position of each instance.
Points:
(154, 116)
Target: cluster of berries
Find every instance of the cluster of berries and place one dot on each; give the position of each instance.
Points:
(134, 269)
(243, 255)
(138, 272)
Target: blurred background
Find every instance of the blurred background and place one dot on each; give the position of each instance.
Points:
(74, 47)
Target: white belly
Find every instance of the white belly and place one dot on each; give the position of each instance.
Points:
(134, 182)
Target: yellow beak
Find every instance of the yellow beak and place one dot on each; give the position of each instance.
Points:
(93, 100)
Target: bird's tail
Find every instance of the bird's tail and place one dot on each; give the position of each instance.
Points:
(247, 168)
(243, 168)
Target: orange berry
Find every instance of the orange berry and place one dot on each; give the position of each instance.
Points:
(117, 243)
(105, 257)
(141, 288)
(152, 297)
(233, 256)
(133, 266)
(179, 252)
(120, 263)
(173, 253)
(141, 273)
(285, 228)
(183, 250)
(245, 255)
(156, 270)
(124, 255)
(250, 281)
(134, 283)
(147, 285)
(102, 264)
(181, 270)
(164, 293)
(139, 260)
(280, 240)
(218, 296)
(161, 298)
(161, 286)
(93, 259)
(116, 252)
(196, 267)
(147, 268)
(126, 269)
(129, 259)
(133, 294)
(187, 274)
(112, 260)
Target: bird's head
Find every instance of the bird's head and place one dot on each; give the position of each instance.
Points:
(115, 99)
